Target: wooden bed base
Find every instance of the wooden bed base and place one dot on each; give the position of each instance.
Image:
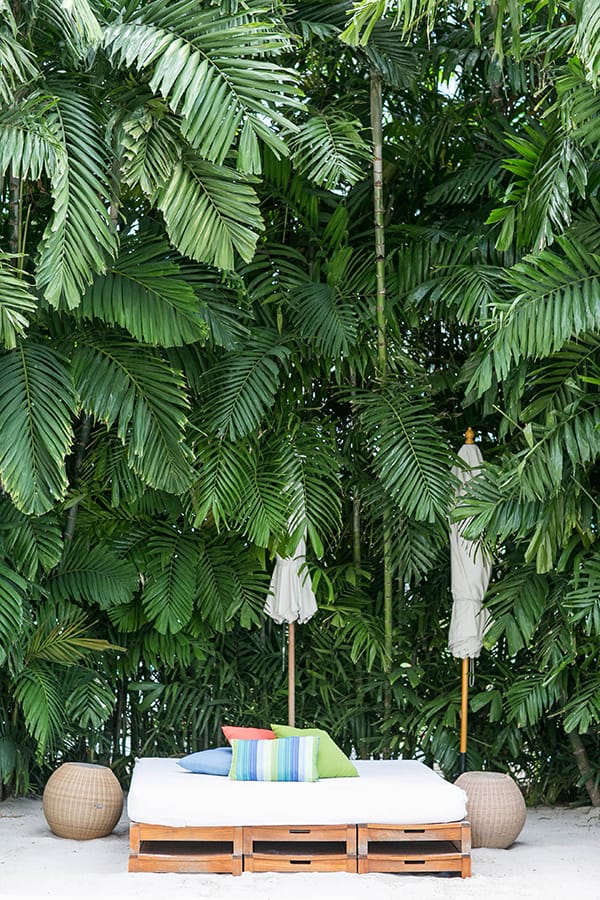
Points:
(302, 848)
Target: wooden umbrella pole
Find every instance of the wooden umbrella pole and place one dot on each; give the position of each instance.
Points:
(292, 674)
(464, 713)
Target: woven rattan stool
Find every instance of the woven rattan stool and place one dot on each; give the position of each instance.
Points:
(82, 801)
(495, 808)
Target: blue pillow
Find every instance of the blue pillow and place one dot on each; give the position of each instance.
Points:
(285, 759)
(216, 761)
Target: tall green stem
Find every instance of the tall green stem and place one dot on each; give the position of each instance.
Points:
(376, 113)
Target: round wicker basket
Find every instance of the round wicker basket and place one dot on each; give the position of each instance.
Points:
(495, 808)
(82, 801)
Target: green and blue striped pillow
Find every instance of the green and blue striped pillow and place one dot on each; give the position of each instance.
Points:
(284, 759)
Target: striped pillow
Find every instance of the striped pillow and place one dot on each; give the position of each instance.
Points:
(284, 759)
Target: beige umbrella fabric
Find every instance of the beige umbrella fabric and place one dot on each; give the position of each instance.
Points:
(290, 600)
(470, 576)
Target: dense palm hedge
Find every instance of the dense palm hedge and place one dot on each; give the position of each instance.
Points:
(206, 353)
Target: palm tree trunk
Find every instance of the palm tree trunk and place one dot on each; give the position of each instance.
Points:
(376, 114)
(583, 764)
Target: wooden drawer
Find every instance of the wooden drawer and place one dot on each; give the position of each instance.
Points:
(281, 861)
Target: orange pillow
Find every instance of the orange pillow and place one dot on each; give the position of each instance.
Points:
(247, 734)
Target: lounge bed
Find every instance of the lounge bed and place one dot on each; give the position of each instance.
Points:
(397, 816)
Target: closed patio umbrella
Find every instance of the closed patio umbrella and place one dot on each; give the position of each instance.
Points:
(290, 600)
(470, 576)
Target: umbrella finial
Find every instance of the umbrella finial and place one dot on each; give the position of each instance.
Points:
(469, 436)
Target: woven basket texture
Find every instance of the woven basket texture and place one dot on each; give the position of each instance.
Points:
(495, 808)
(82, 801)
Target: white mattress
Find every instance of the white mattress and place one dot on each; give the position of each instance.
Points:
(387, 792)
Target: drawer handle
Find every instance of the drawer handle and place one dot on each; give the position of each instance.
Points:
(414, 862)
(300, 862)
(414, 831)
(298, 830)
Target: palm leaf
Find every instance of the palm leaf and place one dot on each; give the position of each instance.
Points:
(79, 237)
(152, 146)
(31, 140)
(556, 300)
(170, 579)
(145, 399)
(228, 583)
(17, 66)
(62, 637)
(34, 543)
(42, 704)
(408, 453)
(75, 24)
(215, 71)
(325, 313)
(17, 303)
(210, 213)
(588, 37)
(241, 389)
(330, 150)
(93, 575)
(145, 293)
(90, 701)
(36, 405)
(224, 471)
(13, 592)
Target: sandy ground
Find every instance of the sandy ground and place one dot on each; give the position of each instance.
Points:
(556, 856)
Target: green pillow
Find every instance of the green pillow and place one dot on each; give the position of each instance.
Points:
(331, 761)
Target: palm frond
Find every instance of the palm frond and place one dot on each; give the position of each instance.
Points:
(152, 147)
(555, 301)
(42, 703)
(330, 150)
(90, 701)
(241, 389)
(324, 318)
(228, 584)
(145, 399)
(408, 453)
(92, 575)
(33, 543)
(274, 272)
(211, 213)
(315, 491)
(79, 237)
(578, 105)
(76, 25)
(588, 37)
(17, 67)
(13, 592)
(145, 292)
(17, 303)
(583, 598)
(517, 603)
(170, 579)
(396, 61)
(62, 636)
(36, 405)
(224, 470)
(264, 504)
(31, 141)
(582, 713)
(530, 697)
(549, 171)
(215, 71)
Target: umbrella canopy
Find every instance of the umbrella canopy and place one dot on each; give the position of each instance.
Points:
(470, 576)
(290, 600)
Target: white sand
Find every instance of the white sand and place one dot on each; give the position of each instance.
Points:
(556, 856)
